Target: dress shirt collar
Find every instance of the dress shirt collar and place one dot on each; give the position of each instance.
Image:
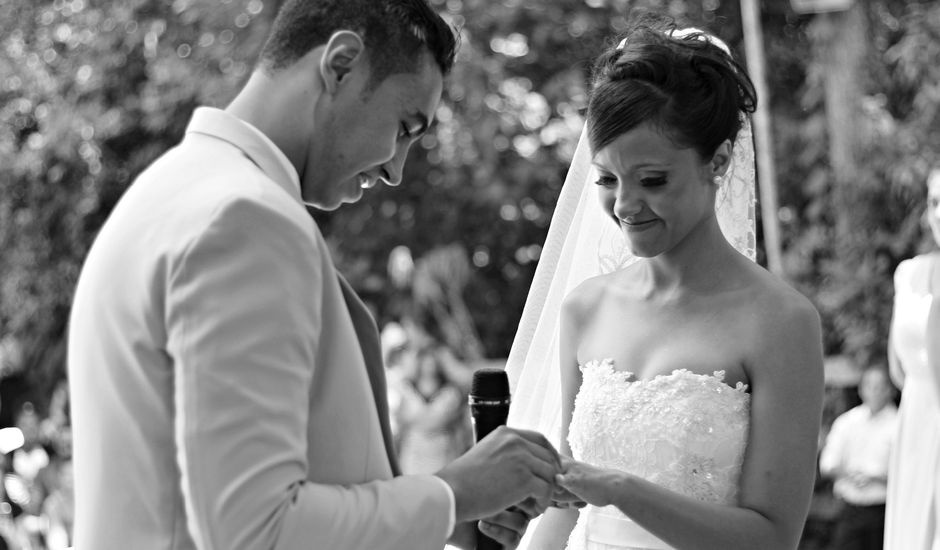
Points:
(252, 142)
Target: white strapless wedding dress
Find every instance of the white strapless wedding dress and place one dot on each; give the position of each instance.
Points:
(684, 431)
(913, 518)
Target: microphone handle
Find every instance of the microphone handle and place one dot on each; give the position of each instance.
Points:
(487, 418)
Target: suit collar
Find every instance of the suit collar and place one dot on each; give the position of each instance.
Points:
(251, 141)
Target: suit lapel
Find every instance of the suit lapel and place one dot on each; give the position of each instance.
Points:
(368, 336)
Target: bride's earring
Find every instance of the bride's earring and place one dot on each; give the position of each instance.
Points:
(716, 180)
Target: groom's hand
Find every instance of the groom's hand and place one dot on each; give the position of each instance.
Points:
(506, 527)
(562, 497)
(593, 485)
(506, 468)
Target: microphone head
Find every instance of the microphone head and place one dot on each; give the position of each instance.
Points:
(490, 383)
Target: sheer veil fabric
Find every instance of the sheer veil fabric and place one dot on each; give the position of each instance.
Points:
(583, 242)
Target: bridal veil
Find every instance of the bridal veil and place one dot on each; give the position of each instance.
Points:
(582, 242)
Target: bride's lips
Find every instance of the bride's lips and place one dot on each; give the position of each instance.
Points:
(638, 225)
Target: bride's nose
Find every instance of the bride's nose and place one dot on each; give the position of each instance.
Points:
(628, 203)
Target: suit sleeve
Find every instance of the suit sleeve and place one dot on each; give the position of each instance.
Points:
(242, 323)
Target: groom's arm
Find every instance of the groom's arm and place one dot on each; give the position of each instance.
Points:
(244, 354)
(244, 349)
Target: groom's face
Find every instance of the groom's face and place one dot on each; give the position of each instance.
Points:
(368, 133)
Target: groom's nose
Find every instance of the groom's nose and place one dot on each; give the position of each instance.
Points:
(392, 170)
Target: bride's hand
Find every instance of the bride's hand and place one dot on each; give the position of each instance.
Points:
(590, 484)
(565, 499)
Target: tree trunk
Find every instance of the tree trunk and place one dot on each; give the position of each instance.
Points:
(840, 44)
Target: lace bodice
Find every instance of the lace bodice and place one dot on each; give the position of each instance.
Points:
(684, 431)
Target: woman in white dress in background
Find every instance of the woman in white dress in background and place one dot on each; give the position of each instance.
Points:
(691, 378)
(913, 505)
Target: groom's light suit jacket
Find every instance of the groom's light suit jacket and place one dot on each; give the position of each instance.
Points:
(227, 389)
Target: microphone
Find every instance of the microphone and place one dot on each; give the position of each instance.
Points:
(489, 409)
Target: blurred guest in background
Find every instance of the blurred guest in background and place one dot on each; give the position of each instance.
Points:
(856, 455)
(58, 509)
(429, 409)
(913, 505)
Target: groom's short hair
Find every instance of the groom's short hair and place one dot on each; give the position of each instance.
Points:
(395, 33)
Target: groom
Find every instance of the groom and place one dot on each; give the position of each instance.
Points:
(227, 387)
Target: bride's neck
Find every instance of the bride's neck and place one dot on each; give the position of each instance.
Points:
(702, 261)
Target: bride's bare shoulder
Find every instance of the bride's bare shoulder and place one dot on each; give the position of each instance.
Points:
(589, 295)
(781, 312)
(772, 291)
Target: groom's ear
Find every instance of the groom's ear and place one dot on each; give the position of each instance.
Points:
(344, 52)
(721, 159)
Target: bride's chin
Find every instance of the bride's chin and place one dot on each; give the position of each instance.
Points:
(644, 252)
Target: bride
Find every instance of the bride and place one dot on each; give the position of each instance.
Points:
(688, 378)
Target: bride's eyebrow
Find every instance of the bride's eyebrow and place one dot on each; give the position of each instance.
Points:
(596, 164)
(640, 166)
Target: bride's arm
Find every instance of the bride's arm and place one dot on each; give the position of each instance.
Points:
(556, 523)
(895, 368)
(933, 325)
(933, 343)
(779, 466)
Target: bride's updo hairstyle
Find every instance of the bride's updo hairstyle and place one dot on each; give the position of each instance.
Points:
(682, 84)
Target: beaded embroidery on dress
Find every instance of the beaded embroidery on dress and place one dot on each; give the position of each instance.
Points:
(684, 431)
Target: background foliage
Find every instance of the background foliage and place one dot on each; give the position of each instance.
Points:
(92, 90)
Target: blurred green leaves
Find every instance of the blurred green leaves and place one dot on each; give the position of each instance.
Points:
(91, 91)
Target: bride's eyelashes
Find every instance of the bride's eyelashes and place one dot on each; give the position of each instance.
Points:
(649, 181)
(606, 181)
(653, 181)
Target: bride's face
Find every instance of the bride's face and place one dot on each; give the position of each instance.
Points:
(933, 205)
(656, 192)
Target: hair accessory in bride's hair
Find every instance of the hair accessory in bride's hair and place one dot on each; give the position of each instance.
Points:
(699, 33)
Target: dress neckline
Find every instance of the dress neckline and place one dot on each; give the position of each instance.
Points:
(629, 377)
